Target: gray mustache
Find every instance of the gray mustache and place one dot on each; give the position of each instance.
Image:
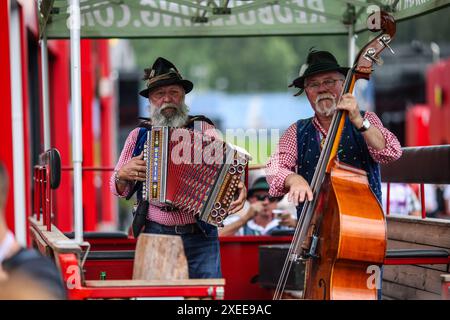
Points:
(324, 96)
(168, 105)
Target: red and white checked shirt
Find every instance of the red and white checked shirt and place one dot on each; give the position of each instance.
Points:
(284, 161)
(154, 213)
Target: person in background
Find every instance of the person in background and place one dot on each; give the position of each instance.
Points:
(437, 201)
(402, 199)
(260, 217)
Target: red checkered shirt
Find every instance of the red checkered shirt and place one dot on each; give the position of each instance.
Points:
(154, 213)
(284, 161)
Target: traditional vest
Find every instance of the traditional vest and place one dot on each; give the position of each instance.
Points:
(352, 150)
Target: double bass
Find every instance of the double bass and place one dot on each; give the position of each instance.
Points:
(341, 233)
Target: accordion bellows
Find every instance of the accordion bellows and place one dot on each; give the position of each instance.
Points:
(190, 171)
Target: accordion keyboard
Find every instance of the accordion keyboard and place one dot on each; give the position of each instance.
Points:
(192, 172)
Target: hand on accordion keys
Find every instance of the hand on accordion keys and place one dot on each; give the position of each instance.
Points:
(133, 170)
(238, 204)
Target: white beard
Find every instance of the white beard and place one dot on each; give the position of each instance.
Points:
(178, 119)
(321, 109)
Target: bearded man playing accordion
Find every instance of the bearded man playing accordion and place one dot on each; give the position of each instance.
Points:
(166, 90)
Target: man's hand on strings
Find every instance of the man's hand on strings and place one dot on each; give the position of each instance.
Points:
(134, 170)
(348, 102)
(299, 189)
(238, 204)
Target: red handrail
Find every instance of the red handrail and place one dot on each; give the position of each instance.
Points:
(43, 192)
(42, 195)
(89, 168)
(422, 200)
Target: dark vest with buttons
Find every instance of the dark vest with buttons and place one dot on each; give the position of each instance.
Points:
(352, 150)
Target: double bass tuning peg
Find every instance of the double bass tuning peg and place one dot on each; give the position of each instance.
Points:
(371, 55)
(385, 39)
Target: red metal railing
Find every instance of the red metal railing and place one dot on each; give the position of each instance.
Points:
(42, 192)
(89, 168)
(422, 200)
(42, 195)
(78, 290)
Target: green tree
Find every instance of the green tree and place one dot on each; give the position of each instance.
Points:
(256, 64)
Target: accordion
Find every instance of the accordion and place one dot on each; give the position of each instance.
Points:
(192, 172)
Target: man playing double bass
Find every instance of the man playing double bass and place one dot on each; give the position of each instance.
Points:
(365, 143)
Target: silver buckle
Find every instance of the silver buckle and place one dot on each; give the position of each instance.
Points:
(176, 230)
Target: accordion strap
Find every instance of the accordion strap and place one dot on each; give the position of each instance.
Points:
(192, 119)
(147, 122)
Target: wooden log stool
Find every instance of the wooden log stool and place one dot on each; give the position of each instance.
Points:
(160, 257)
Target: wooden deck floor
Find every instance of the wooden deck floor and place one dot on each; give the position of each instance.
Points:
(416, 282)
